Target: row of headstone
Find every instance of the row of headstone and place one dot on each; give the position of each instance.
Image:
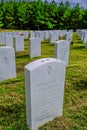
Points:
(25, 34)
(61, 51)
(61, 47)
(35, 44)
(37, 36)
(43, 35)
(83, 35)
(17, 42)
(47, 34)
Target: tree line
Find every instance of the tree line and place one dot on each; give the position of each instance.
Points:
(41, 15)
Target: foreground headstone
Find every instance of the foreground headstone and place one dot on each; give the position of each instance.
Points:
(44, 81)
(62, 50)
(7, 63)
(19, 43)
(35, 47)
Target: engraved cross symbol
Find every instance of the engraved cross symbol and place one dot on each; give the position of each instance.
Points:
(49, 69)
(6, 58)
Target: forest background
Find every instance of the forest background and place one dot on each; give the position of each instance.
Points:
(39, 15)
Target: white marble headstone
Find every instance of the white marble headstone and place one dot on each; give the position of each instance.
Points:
(25, 34)
(10, 33)
(85, 37)
(15, 34)
(62, 50)
(44, 83)
(53, 37)
(7, 63)
(46, 35)
(41, 35)
(32, 34)
(35, 47)
(2, 38)
(86, 45)
(9, 40)
(19, 43)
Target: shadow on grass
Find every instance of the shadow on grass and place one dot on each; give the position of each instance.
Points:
(13, 117)
(78, 42)
(8, 110)
(80, 85)
(21, 55)
(79, 47)
(18, 127)
(46, 41)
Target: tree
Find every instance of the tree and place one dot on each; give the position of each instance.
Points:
(75, 17)
(65, 19)
(8, 15)
(39, 15)
(83, 20)
(21, 15)
(1, 16)
(60, 13)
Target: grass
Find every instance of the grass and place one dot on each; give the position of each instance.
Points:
(12, 91)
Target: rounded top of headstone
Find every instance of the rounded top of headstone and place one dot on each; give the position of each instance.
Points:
(40, 62)
(18, 36)
(61, 41)
(6, 48)
(6, 51)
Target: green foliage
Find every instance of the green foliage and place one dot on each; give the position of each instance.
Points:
(41, 15)
(21, 15)
(8, 14)
(1, 17)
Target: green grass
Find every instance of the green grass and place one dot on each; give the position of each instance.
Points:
(12, 91)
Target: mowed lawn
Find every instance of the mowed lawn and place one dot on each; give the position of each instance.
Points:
(12, 91)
